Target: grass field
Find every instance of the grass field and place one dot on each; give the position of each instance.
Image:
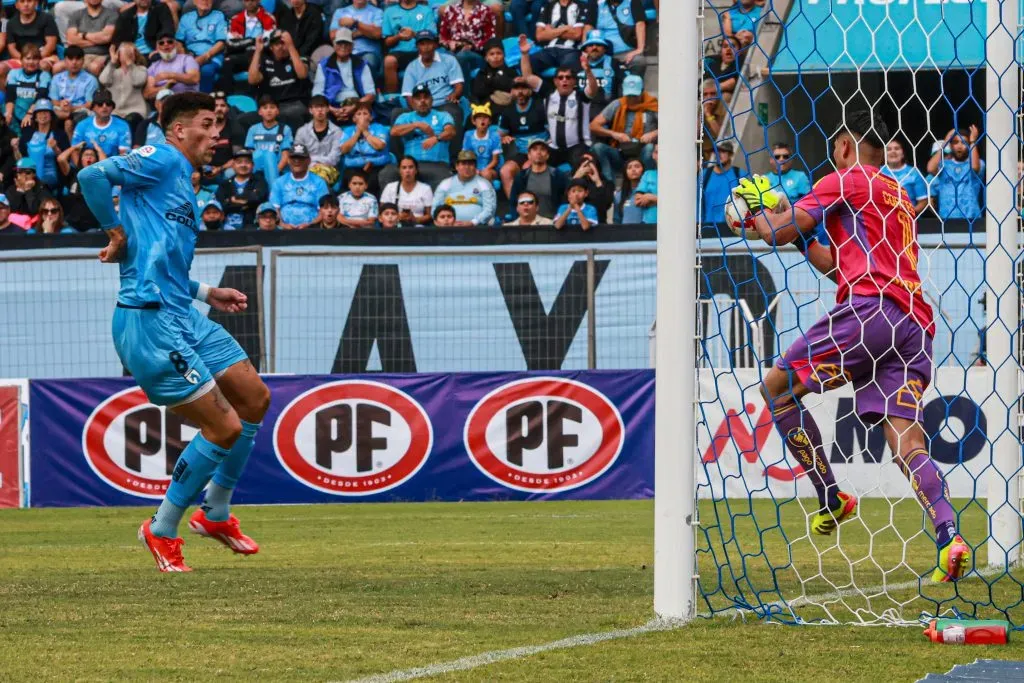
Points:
(350, 591)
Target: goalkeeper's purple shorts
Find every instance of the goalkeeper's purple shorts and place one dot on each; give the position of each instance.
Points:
(872, 343)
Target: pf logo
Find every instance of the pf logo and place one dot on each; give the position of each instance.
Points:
(133, 445)
(544, 435)
(353, 438)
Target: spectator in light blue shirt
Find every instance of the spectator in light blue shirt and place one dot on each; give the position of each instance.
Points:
(297, 194)
(425, 133)
(576, 211)
(717, 182)
(204, 32)
(958, 181)
(793, 183)
(646, 196)
(366, 23)
(109, 132)
(71, 90)
(401, 24)
(438, 71)
(909, 178)
(740, 21)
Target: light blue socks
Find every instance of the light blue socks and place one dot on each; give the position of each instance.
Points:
(195, 466)
(218, 496)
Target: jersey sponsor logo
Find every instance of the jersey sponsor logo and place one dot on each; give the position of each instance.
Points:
(183, 214)
(146, 151)
(353, 438)
(544, 434)
(133, 445)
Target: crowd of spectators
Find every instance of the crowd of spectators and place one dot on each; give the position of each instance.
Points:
(341, 113)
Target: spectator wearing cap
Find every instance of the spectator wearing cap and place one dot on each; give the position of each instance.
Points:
(358, 206)
(305, 23)
(547, 183)
(141, 23)
(24, 87)
(608, 72)
(72, 89)
(425, 133)
(327, 219)
(297, 194)
(322, 139)
(266, 217)
(269, 140)
(624, 24)
(76, 210)
(43, 142)
(364, 145)
(795, 184)
(494, 82)
(414, 199)
(646, 196)
(92, 29)
(109, 132)
(341, 75)
(909, 178)
(149, 132)
(213, 216)
(561, 26)
(402, 23)
(438, 71)
(177, 71)
(243, 193)
(465, 27)
(718, 178)
(243, 29)
(366, 22)
(125, 77)
(526, 212)
(6, 226)
(627, 128)
(521, 123)
(281, 74)
(471, 196)
(30, 26)
(204, 33)
(388, 217)
(27, 193)
(484, 141)
(576, 210)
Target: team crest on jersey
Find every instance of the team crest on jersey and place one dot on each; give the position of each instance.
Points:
(145, 151)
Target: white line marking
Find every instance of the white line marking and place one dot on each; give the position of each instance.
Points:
(653, 626)
(495, 656)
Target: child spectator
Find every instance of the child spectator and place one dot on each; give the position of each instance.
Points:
(444, 217)
(327, 219)
(388, 217)
(213, 216)
(358, 207)
(267, 217)
(242, 194)
(25, 86)
(484, 141)
(495, 80)
(576, 211)
(269, 140)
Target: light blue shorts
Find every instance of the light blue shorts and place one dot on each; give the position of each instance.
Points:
(174, 359)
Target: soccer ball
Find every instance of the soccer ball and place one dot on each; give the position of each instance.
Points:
(737, 217)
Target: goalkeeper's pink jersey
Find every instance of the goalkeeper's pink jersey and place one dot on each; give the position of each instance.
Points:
(870, 222)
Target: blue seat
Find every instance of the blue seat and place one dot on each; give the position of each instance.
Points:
(566, 169)
(242, 103)
(512, 54)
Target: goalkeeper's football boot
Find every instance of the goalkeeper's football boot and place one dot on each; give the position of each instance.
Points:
(954, 561)
(228, 532)
(824, 523)
(166, 551)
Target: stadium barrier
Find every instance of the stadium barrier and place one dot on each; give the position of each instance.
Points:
(12, 470)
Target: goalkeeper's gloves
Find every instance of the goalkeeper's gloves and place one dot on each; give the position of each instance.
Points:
(757, 193)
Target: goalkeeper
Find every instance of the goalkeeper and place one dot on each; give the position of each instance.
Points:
(878, 337)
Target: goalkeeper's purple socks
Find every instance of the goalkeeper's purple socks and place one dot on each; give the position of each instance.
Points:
(803, 439)
(930, 488)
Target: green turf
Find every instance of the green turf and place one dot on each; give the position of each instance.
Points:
(346, 591)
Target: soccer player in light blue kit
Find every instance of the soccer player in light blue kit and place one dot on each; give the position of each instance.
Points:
(181, 359)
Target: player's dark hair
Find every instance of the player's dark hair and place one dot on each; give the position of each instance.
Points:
(781, 145)
(867, 128)
(185, 105)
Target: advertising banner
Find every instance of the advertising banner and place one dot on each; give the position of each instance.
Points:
(443, 437)
(10, 454)
(743, 455)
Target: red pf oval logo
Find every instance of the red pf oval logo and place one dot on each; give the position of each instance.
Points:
(353, 438)
(133, 445)
(544, 435)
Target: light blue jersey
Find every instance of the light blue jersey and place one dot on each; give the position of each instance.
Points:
(910, 179)
(793, 182)
(370, 15)
(267, 144)
(419, 18)
(78, 90)
(441, 76)
(486, 149)
(298, 200)
(114, 138)
(200, 33)
(649, 185)
(413, 141)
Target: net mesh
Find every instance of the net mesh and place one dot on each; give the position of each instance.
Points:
(801, 65)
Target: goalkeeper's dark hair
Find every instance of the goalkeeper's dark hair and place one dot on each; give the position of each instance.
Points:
(865, 127)
(185, 105)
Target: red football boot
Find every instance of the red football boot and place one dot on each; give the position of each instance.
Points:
(227, 532)
(166, 551)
